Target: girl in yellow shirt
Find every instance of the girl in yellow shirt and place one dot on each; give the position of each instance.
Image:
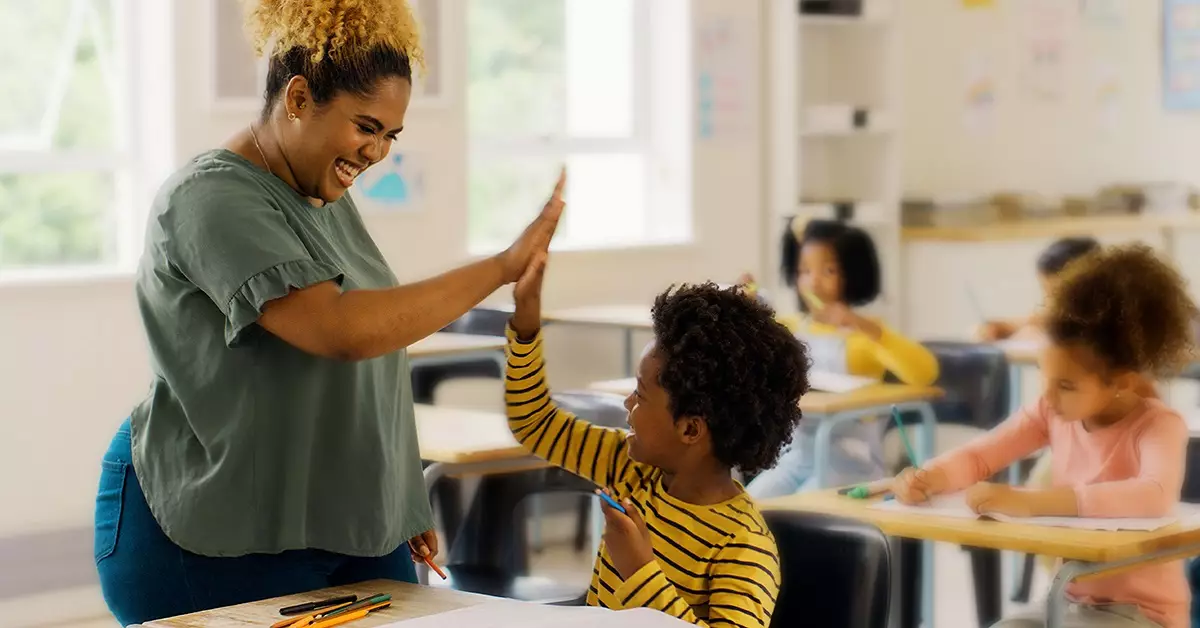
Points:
(834, 268)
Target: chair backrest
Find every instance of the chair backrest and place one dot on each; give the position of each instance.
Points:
(834, 571)
(603, 409)
(481, 321)
(975, 378)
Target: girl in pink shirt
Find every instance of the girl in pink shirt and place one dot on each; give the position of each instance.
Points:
(1117, 314)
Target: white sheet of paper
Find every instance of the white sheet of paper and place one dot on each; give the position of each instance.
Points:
(1020, 344)
(827, 381)
(955, 505)
(510, 614)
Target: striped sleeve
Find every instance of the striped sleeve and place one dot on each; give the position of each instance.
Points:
(549, 432)
(745, 584)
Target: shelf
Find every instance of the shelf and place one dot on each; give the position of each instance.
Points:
(840, 119)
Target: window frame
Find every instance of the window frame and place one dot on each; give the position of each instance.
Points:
(485, 149)
(124, 162)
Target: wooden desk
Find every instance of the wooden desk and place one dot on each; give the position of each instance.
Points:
(629, 318)
(871, 397)
(1090, 553)
(409, 601)
(834, 408)
(460, 437)
(448, 344)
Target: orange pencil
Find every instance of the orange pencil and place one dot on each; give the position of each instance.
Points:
(434, 567)
(305, 620)
(351, 616)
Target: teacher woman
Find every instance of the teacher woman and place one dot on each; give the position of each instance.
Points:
(276, 451)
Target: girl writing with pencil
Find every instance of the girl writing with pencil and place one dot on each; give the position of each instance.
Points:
(834, 268)
(1114, 315)
(276, 451)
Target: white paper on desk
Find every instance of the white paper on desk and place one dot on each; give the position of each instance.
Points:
(827, 381)
(1020, 344)
(509, 614)
(955, 505)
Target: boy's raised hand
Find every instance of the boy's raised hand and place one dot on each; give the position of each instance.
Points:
(527, 296)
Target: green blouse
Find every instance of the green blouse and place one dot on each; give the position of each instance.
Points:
(246, 444)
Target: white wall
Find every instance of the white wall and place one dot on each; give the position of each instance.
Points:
(1051, 147)
(73, 359)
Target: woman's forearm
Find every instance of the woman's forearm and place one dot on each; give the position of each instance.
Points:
(362, 324)
(383, 321)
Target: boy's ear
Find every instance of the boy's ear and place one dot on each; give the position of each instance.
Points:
(691, 429)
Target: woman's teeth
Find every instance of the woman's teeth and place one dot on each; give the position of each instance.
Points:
(346, 172)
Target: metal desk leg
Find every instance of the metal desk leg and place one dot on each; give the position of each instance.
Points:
(821, 444)
(1016, 560)
(925, 449)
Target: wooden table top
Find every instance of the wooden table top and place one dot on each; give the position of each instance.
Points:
(816, 402)
(1085, 545)
(630, 316)
(446, 343)
(409, 601)
(458, 436)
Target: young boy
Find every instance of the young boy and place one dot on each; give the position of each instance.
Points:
(1050, 265)
(718, 389)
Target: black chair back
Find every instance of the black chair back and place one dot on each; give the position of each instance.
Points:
(481, 321)
(835, 571)
(975, 378)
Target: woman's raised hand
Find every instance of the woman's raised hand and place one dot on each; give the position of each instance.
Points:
(536, 237)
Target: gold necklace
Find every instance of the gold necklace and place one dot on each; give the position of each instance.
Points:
(260, 150)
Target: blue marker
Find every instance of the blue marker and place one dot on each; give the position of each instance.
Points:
(611, 502)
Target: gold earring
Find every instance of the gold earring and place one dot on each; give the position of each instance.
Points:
(291, 116)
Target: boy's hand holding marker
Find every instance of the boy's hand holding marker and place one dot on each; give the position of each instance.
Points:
(625, 535)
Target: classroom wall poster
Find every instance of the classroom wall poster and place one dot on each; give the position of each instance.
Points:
(724, 49)
(1107, 89)
(979, 93)
(395, 185)
(1181, 54)
(1043, 53)
(1103, 13)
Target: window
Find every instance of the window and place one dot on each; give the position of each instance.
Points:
(554, 82)
(67, 147)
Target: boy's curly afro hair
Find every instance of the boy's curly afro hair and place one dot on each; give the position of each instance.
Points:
(725, 359)
(1128, 306)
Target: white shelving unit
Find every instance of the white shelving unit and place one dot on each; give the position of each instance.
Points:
(833, 107)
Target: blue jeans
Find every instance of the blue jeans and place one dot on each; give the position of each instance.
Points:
(855, 455)
(145, 576)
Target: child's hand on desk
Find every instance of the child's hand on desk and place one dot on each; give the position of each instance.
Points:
(993, 331)
(988, 498)
(627, 538)
(527, 295)
(915, 486)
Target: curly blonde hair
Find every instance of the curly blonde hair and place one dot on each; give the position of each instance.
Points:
(341, 29)
(1131, 308)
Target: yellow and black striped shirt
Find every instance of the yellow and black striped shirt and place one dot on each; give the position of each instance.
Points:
(715, 565)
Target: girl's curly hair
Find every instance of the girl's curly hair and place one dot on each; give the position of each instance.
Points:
(1131, 308)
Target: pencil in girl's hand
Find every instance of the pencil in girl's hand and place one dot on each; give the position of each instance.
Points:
(908, 448)
(813, 300)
